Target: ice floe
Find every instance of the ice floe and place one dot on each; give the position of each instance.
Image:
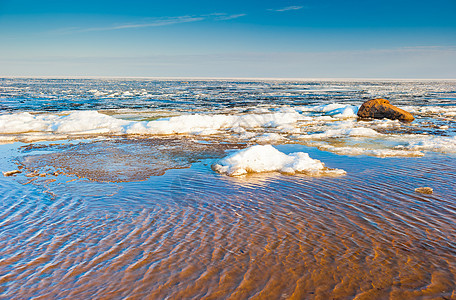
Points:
(91, 122)
(433, 143)
(265, 158)
(332, 127)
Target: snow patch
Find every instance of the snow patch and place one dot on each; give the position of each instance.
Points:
(257, 159)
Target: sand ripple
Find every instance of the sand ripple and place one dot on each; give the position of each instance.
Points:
(192, 233)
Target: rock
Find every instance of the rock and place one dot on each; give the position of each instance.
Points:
(11, 173)
(381, 108)
(33, 174)
(424, 190)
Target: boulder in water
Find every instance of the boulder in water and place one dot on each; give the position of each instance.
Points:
(381, 108)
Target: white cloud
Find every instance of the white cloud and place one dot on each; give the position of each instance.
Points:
(151, 23)
(154, 23)
(229, 17)
(158, 22)
(288, 8)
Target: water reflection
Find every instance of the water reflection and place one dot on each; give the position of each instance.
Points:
(192, 233)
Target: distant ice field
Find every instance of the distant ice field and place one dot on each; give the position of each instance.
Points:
(321, 114)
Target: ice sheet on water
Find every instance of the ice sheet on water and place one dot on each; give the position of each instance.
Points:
(92, 122)
(312, 112)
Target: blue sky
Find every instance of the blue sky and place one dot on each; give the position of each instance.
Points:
(175, 38)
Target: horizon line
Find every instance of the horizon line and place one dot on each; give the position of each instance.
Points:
(219, 78)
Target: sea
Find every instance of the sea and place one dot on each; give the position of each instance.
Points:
(144, 188)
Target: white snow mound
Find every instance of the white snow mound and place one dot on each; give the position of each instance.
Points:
(265, 158)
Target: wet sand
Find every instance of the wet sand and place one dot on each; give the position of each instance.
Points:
(193, 233)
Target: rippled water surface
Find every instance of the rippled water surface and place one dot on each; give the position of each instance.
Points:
(145, 216)
(192, 233)
(24, 94)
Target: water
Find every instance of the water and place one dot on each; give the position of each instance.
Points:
(112, 214)
(319, 114)
(181, 95)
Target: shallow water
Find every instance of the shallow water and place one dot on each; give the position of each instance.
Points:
(144, 216)
(193, 233)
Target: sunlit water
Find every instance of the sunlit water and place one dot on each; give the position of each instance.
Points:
(145, 216)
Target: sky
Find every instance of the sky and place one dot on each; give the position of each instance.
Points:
(229, 39)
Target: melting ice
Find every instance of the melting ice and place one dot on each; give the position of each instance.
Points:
(313, 113)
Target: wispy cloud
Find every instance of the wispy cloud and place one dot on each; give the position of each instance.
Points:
(157, 22)
(154, 23)
(288, 8)
(229, 17)
(151, 23)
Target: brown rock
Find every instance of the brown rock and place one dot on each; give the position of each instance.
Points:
(381, 108)
(11, 173)
(424, 190)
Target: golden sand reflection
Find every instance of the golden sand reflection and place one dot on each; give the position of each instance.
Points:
(196, 234)
(121, 160)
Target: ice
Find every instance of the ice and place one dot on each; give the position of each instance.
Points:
(447, 111)
(371, 152)
(93, 122)
(210, 124)
(436, 144)
(329, 107)
(97, 93)
(252, 121)
(87, 122)
(25, 122)
(269, 137)
(79, 122)
(344, 132)
(348, 111)
(265, 158)
(334, 110)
